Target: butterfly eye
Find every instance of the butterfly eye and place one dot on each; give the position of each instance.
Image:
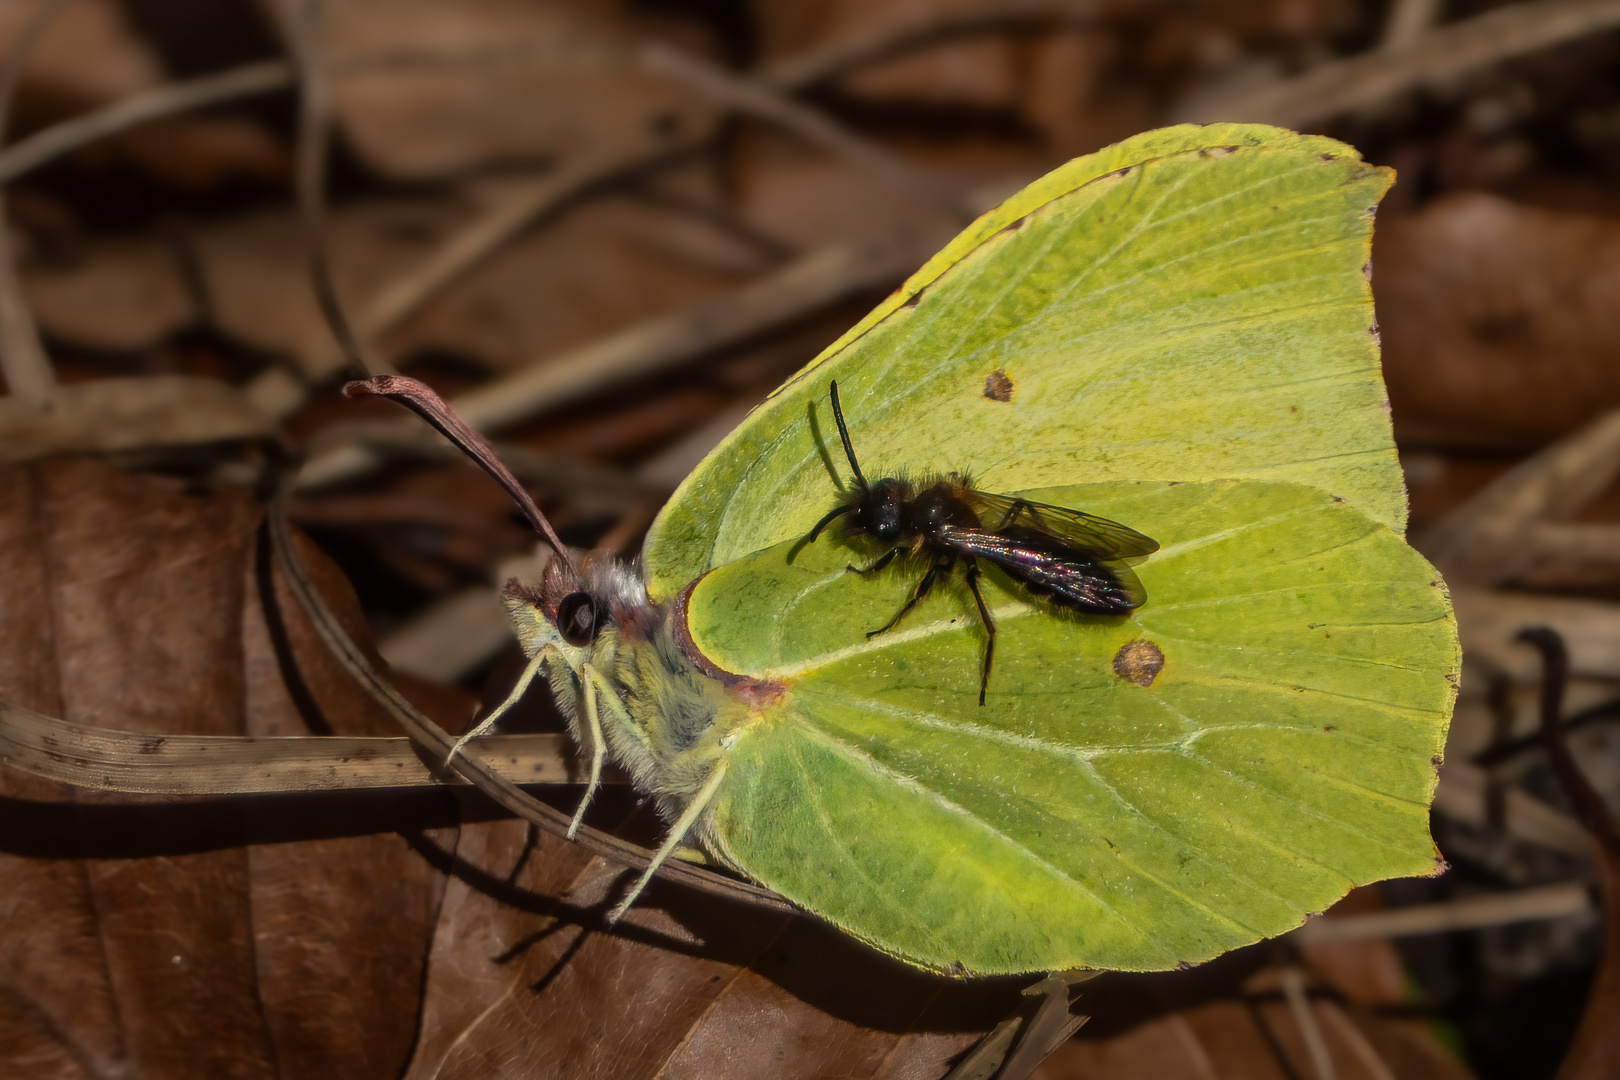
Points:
(577, 619)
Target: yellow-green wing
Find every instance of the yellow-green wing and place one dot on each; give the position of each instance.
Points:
(1187, 305)
(1138, 791)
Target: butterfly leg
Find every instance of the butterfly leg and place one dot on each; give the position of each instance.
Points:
(543, 656)
(989, 629)
(592, 690)
(917, 594)
(868, 571)
(596, 689)
(677, 834)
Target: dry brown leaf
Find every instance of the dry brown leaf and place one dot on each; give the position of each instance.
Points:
(1252, 1032)
(154, 938)
(196, 153)
(132, 413)
(524, 985)
(1595, 1052)
(606, 265)
(1074, 97)
(89, 57)
(161, 939)
(121, 294)
(86, 57)
(804, 198)
(128, 293)
(456, 105)
(981, 71)
(1499, 321)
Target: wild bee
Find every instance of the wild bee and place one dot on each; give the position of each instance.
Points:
(1069, 557)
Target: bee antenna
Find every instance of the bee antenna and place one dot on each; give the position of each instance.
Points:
(421, 400)
(843, 434)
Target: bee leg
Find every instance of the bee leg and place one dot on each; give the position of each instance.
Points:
(810, 537)
(989, 629)
(1011, 517)
(677, 833)
(883, 561)
(523, 682)
(917, 594)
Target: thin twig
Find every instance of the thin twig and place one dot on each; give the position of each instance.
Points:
(303, 20)
(1594, 1052)
(1293, 988)
(820, 65)
(44, 146)
(137, 762)
(1461, 795)
(1470, 913)
(1407, 21)
(128, 413)
(1371, 77)
(1489, 539)
(756, 98)
(803, 285)
(1488, 622)
(275, 393)
(1589, 805)
(517, 211)
(27, 369)
(791, 74)
(470, 247)
(1508, 749)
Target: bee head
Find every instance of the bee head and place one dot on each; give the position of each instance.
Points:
(882, 511)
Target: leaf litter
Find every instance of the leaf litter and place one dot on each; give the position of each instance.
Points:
(370, 932)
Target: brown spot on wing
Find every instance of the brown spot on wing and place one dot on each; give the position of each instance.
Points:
(1139, 662)
(998, 386)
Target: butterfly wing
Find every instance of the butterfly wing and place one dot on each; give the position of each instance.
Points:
(1136, 791)
(1188, 305)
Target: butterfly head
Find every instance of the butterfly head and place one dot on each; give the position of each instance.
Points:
(573, 607)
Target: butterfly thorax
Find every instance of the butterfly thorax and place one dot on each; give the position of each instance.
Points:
(666, 732)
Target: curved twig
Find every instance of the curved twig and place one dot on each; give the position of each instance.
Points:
(1371, 77)
(438, 743)
(1589, 805)
(27, 369)
(303, 19)
(44, 146)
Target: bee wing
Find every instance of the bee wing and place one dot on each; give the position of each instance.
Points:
(1103, 539)
(1073, 576)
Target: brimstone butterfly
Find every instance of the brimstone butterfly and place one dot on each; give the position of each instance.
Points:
(1175, 332)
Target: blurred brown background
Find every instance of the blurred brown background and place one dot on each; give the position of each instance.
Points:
(605, 230)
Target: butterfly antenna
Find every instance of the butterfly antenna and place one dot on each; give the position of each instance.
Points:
(424, 402)
(843, 434)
